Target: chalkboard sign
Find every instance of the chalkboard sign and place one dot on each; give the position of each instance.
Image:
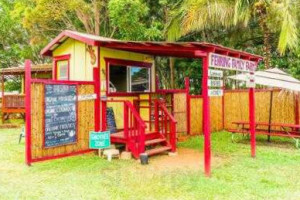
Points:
(60, 114)
(110, 120)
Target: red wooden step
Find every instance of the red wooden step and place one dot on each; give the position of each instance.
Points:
(157, 150)
(154, 141)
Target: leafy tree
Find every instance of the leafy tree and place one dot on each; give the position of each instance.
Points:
(46, 18)
(14, 39)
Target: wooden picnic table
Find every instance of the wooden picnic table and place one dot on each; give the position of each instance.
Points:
(270, 129)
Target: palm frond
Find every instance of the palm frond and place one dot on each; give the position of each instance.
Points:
(173, 30)
(202, 14)
(242, 11)
(289, 32)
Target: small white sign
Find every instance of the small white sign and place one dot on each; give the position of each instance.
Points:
(103, 98)
(215, 83)
(86, 97)
(215, 73)
(215, 93)
(250, 77)
(250, 84)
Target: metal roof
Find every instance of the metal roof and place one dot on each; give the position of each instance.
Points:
(175, 49)
(41, 68)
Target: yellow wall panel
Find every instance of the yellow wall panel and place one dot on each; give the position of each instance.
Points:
(118, 109)
(81, 68)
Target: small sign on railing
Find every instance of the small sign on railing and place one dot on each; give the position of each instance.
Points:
(86, 97)
(215, 73)
(215, 92)
(215, 83)
(99, 140)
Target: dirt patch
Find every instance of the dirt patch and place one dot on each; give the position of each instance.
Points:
(186, 159)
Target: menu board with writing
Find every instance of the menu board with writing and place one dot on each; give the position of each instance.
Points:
(60, 114)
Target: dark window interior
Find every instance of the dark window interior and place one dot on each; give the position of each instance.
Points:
(118, 78)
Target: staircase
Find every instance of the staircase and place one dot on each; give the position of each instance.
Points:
(161, 139)
(165, 127)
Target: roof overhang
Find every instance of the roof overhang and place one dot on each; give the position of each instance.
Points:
(20, 70)
(172, 49)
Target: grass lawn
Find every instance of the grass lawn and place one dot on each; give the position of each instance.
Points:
(274, 174)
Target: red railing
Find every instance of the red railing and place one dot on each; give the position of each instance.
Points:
(14, 101)
(165, 123)
(134, 129)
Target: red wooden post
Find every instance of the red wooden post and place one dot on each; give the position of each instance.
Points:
(141, 129)
(126, 125)
(206, 119)
(3, 99)
(297, 117)
(173, 135)
(103, 108)
(97, 100)
(188, 105)
(28, 158)
(125, 120)
(252, 120)
(223, 105)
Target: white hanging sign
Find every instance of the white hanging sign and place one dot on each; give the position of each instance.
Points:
(215, 92)
(250, 77)
(215, 83)
(250, 84)
(86, 97)
(215, 73)
(231, 63)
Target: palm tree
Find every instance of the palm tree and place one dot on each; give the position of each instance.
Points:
(196, 15)
(278, 16)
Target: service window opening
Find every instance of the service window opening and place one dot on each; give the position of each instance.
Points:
(128, 79)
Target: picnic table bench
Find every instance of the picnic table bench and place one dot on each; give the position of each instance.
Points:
(269, 129)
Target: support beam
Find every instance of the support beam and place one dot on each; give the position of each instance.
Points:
(3, 99)
(270, 114)
(297, 114)
(188, 105)
(28, 158)
(97, 100)
(206, 119)
(252, 120)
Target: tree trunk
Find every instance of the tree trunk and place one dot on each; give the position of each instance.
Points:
(97, 17)
(261, 11)
(172, 73)
(267, 47)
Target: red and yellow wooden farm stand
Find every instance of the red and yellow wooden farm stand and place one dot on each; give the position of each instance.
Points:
(121, 75)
